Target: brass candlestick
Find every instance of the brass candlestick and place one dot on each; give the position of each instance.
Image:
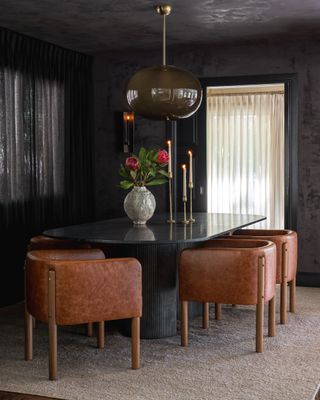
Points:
(170, 231)
(170, 220)
(185, 221)
(191, 219)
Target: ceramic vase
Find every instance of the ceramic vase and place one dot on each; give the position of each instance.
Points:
(139, 205)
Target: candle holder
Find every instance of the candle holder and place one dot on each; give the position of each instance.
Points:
(185, 232)
(170, 231)
(191, 219)
(190, 231)
(128, 131)
(185, 221)
(170, 220)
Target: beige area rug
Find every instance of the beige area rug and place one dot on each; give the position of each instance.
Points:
(220, 363)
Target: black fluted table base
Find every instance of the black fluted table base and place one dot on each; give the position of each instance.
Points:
(159, 287)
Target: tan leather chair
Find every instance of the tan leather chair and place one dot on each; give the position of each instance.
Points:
(66, 287)
(42, 242)
(229, 271)
(287, 248)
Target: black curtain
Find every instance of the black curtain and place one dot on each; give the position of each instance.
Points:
(45, 147)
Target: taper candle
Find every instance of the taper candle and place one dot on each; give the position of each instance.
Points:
(184, 182)
(190, 168)
(169, 161)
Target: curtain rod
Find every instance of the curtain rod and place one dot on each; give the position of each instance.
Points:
(244, 90)
(244, 93)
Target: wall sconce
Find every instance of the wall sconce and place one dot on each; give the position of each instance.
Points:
(128, 131)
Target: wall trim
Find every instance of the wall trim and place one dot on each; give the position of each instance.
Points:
(310, 279)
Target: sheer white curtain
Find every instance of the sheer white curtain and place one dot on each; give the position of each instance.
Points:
(245, 155)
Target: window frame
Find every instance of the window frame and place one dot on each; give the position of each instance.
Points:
(290, 82)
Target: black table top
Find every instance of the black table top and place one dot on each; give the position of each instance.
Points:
(157, 230)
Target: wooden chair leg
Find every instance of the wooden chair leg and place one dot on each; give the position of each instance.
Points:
(205, 315)
(135, 345)
(28, 328)
(272, 318)
(260, 306)
(28, 336)
(90, 329)
(184, 323)
(52, 327)
(101, 335)
(284, 286)
(293, 295)
(218, 311)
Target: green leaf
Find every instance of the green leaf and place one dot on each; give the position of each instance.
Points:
(142, 154)
(126, 184)
(148, 154)
(133, 174)
(155, 182)
(155, 155)
(123, 172)
(163, 172)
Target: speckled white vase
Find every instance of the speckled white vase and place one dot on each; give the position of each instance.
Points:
(139, 205)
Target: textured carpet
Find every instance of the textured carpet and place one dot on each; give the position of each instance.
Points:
(220, 363)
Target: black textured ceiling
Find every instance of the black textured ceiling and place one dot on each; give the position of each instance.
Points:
(93, 26)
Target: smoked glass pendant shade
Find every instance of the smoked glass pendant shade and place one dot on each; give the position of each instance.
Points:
(164, 92)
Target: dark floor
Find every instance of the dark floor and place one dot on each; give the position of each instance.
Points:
(21, 396)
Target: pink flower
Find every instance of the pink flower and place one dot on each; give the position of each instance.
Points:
(163, 157)
(132, 163)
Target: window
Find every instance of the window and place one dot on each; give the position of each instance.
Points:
(245, 151)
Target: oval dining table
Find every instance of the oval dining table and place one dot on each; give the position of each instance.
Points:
(157, 246)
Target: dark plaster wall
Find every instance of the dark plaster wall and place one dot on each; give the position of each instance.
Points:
(302, 58)
(109, 98)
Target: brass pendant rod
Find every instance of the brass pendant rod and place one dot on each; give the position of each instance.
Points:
(164, 61)
(164, 10)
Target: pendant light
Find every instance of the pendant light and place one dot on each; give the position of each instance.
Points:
(164, 92)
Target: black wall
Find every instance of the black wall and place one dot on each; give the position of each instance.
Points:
(110, 79)
(302, 57)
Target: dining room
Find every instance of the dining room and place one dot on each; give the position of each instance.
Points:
(159, 200)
